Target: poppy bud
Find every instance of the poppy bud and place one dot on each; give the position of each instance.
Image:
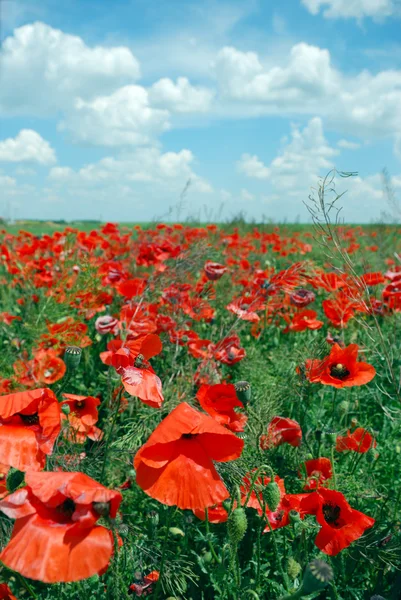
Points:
(14, 479)
(271, 495)
(102, 508)
(65, 409)
(343, 407)
(293, 568)
(237, 525)
(176, 531)
(72, 357)
(207, 557)
(317, 576)
(243, 391)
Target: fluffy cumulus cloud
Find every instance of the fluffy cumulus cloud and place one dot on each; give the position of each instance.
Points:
(169, 170)
(252, 166)
(122, 118)
(334, 9)
(180, 97)
(365, 105)
(44, 69)
(27, 146)
(300, 161)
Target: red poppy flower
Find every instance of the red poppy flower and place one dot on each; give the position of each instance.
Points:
(318, 471)
(130, 359)
(175, 466)
(359, 440)
(302, 297)
(5, 592)
(219, 402)
(29, 426)
(214, 271)
(281, 516)
(48, 367)
(340, 524)
(82, 418)
(215, 514)
(107, 324)
(305, 319)
(56, 515)
(229, 351)
(281, 431)
(340, 369)
(145, 586)
(339, 310)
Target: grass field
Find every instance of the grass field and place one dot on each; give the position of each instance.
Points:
(200, 411)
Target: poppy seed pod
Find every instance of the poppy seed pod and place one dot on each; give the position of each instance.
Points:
(243, 391)
(72, 357)
(65, 409)
(237, 525)
(317, 576)
(272, 496)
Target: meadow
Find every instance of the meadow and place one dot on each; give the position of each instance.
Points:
(200, 411)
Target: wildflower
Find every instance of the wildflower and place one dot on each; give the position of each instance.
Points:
(144, 587)
(318, 471)
(219, 402)
(213, 270)
(359, 440)
(175, 466)
(305, 319)
(302, 297)
(56, 515)
(29, 426)
(82, 418)
(281, 431)
(340, 524)
(340, 369)
(107, 324)
(5, 592)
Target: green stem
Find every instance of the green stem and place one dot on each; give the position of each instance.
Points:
(254, 478)
(110, 434)
(333, 468)
(25, 584)
(163, 558)
(209, 541)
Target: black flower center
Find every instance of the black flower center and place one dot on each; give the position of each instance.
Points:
(30, 419)
(331, 514)
(67, 508)
(339, 371)
(188, 436)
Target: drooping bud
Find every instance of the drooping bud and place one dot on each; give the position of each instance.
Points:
(65, 409)
(317, 576)
(271, 495)
(237, 525)
(14, 479)
(293, 568)
(243, 391)
(72, 357)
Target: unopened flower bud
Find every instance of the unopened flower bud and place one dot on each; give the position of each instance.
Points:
(343, 407)
(237, 525)
(271, 495)
(317, 576)
(293, 568)
(176, 531)
(243, 391)
(65, 409)
(72, 357)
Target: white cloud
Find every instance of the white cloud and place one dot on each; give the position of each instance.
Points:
(357, 9)
(7, 181)
(246, 195)
(25, 171)
(122, 118)
(44, 69)
(181, 97)
(347, 145)
(28, 145)
(252, 166)
(169, 170)
(364, 105)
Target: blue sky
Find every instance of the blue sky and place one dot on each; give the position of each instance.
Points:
(107, 110)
